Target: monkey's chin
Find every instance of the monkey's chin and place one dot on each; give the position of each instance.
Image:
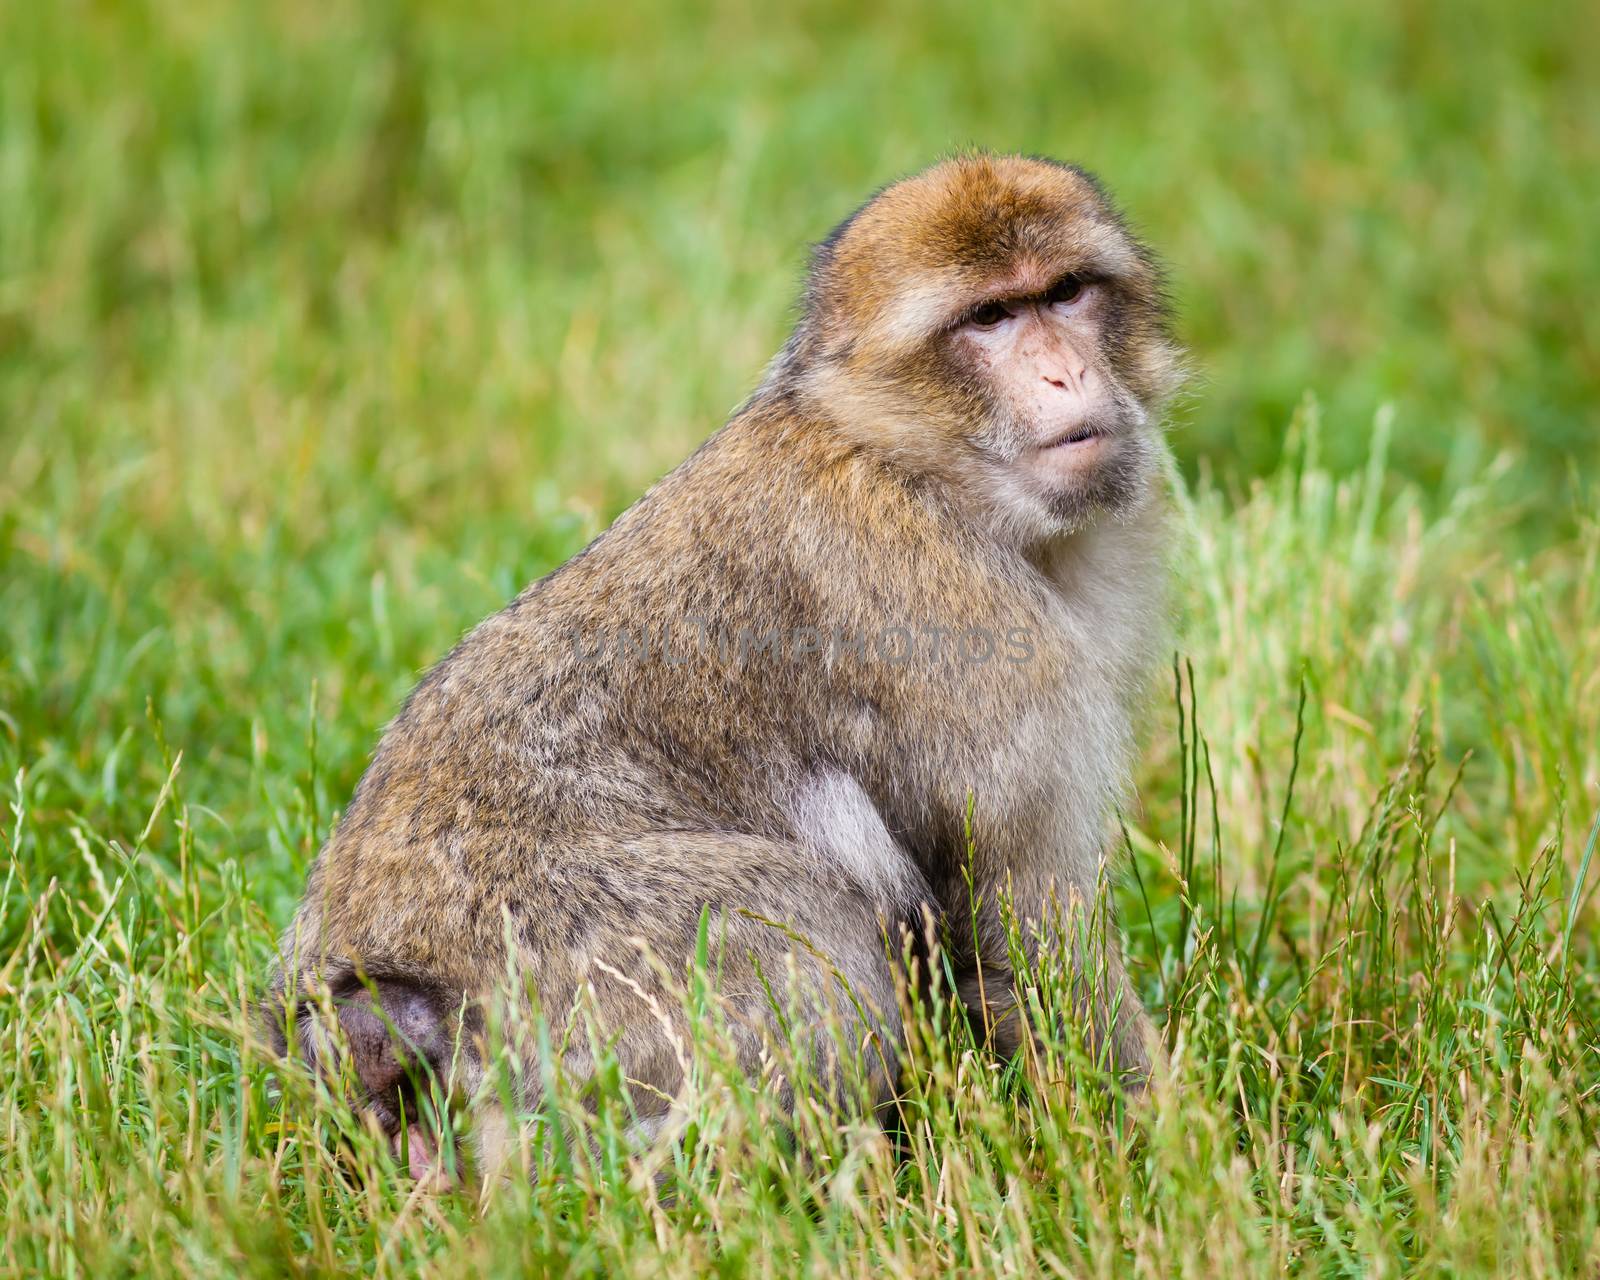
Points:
(1103, 474)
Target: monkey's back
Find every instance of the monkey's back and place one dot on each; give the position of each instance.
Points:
(549, 737)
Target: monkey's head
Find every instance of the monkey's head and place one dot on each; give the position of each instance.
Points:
(991, 321)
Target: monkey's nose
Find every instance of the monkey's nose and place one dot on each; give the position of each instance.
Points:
(1068, 377)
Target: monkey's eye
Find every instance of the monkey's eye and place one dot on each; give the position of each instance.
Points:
(1068, 289)
(988, 315)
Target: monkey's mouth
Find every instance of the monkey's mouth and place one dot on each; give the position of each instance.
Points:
(1083, 433)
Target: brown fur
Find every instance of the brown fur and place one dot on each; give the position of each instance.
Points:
(574, 804)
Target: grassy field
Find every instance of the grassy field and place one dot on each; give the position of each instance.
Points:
(324, 329)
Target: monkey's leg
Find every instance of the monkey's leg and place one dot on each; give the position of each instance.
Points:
(620, 938)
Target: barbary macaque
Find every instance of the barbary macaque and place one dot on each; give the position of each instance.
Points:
(885, 630)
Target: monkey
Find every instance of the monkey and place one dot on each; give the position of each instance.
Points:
(871, 657)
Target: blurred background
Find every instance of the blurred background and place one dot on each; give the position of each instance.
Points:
(525, 237)
(325, 327)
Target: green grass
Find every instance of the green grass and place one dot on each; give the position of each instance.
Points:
(322, 332)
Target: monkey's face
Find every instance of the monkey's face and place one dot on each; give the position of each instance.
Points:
(992, 320)
(1062, 431)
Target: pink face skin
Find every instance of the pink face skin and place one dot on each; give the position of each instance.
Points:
(1040, 357)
